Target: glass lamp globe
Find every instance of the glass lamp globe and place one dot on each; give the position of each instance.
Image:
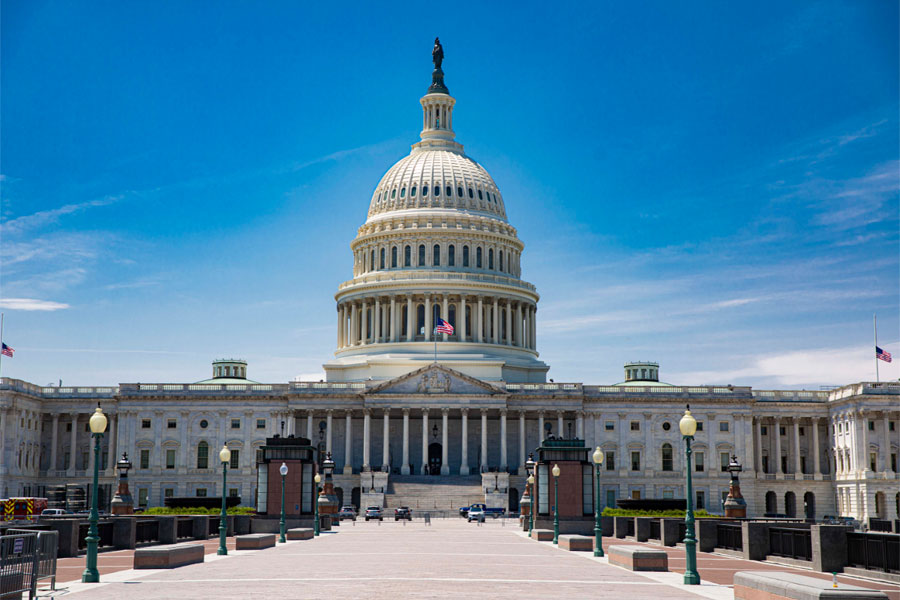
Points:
(224, 454)
(531, 480)
(318, 478)
(598, 456)
(283, 469)
(98, 421)
(556, 470)
(688, 424)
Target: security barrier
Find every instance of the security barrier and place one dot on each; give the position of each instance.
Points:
(18, 565)
(47, 546)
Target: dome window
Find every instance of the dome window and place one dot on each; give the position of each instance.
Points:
(478, 258)
(491, 258)
(379, 197)
(412, 192)
(381, 259)
(450, 191)
(465, 256)
(421, 255)
(424, 190)
(471, 194)
(436, 255)
(403, 192)
(459, 191)
(480, 195)
(407, 256)
(451, 256)
(500, 261)
(393, 194)
(394, 256)
(437, 190)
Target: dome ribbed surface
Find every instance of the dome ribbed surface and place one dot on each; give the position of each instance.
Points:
(401, 188)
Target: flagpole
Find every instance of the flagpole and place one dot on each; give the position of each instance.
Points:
(875, 328)
(1, 338)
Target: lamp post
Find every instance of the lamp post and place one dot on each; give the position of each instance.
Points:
(598, 526)
(98, 426)
(318, 479)
(688, 427)
(281, 525)
(224, 458)
(555, 504)
(529, 468)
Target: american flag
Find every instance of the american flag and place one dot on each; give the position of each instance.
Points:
(879, 353)
(443, 327)
(7, 351)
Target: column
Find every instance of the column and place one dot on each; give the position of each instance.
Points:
(541, 427)
(797, 470)
(886, 443)
(864, 451)
(428, 324)
(54, 441)
(328, 415)
(777, 428)
(183, 449)
(376, 321)
(479, 322)
(464, 441)
(364, 316)
(445, 313)
(367, 438)
(339, 311)
(484, 462)
(111, 448)
(495, 323)
(522, 455)
(348, 443)
(579, 425)
(815, 448)
(410, 319)
(354, 328)
(393, 319)
(404, 468)
(534, 327)
(624, 459)
(386, 442)
(559, 424)
(759, 447)
(519, 341)
(445, 468)
(309, 425)
(509, 331)
(73, 443)
(462, 318)
(424, 441)
(503, 461)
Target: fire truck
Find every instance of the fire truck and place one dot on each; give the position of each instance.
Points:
(16, 509)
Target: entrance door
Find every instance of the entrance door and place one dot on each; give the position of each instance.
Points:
(434, 459)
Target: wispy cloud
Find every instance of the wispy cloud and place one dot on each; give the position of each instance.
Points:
(31, 304)
(45, 217)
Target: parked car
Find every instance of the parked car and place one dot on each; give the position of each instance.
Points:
(54, 512)
(493, 512)
(402, 512)
(475, 513)
(347, 512)
(374, 512)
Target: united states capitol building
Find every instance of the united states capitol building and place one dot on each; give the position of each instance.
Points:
(436, 243)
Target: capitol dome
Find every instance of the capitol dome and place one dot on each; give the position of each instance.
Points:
(436, 246)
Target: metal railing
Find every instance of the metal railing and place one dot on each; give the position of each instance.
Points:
(184, 528)
(874, 551)
(790, 543)
(655, 530)
(146, 531)
(19, 565)
(879, 525)
(104, 529)
(48, 547)
(729, 536)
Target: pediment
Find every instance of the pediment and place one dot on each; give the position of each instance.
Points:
(435, 379)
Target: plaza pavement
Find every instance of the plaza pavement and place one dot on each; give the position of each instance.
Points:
(449, 559)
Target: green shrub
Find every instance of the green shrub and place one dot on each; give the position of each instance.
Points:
(623, 512)
(164, 510)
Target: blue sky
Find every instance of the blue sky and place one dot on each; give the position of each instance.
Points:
(710, 185)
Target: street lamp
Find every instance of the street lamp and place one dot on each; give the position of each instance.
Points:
(529, 468)
(281, 525)
(318, 479)
(98, 426)
(555, 504)
(688, 427)
(598, 527)
(224, 458)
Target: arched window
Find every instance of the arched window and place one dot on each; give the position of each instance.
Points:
(471, 195)
(372, 261)
(407, 257)
(468, 321)
(394, 257)
(424, 190)
(451, 316)
(412, 192)
(771, 502)
(404, 320)
(202, 455)
(393, 194)
(490, 258)
(465, 256)
(435, 315)
(437, 190)
(421, 255)
(478, 258)
(451, 256)
(436, 255)
(480, 196)
(403, 192)
(450, 191)
(420, 318)
(459, 191)
(500, 260)
(381, 262)
(666, 457)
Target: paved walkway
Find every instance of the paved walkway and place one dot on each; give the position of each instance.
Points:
(449, 559)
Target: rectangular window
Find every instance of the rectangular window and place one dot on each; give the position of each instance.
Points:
(723, 426)
(168, 492)
(235, 423)
(894, 462)
(611, 498)
(765, 464)
(259, 456)
(635, 461)
(202, 456)
(233, 493)
(66, 460)
(610, 460)
(235, 459)
(763, 430)
(87, 426)
(871, 425)
(143, 495)
(873, 461)
(699, 425)
(170, 458)
(724, 498)
(145, 459)
(85, 460)
(803, 465)
(260, 423)
(701, 500)
(668, 494)
(307, 484)
(635, 425)
(587, 489)
(145, 423)
(802, 431)
(724, 459)
(543, 489)
(68, 427)
(698, 462)
(201, 492)
(784, 468)
(781, 430)
(610, 426)
(172, 424)
(891, 425)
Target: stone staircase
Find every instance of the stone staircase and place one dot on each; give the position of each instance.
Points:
(433, 492)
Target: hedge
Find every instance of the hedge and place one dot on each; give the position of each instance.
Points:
(163, 510)
(624, 512)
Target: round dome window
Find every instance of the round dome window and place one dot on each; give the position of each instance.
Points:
(204, 424)
(667, 426)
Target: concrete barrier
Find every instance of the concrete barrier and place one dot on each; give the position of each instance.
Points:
(169, 556)
(642, 528)
(300, 533)
(168, 529)
(620, 526)
(542, 535)
(124, 533)
(638, 558)
(254, 541)
(241, 524)
(201, 527)
(576, 543)
(778, 585)
(670, 531)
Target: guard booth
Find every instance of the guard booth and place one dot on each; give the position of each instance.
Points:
(575, 486)
(299, 485)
